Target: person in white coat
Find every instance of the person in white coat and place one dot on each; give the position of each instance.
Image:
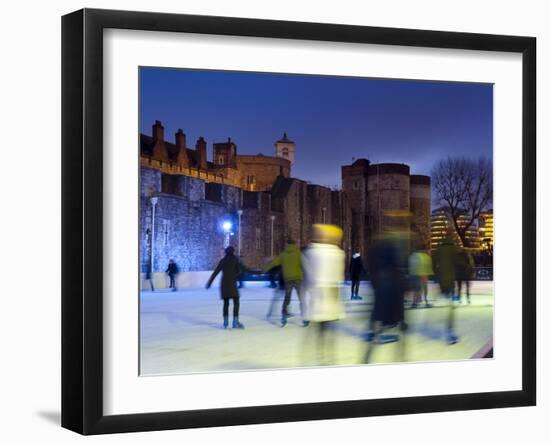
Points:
(323, 264)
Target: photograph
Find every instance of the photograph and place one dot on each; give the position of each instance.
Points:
(271, 222)
(293, 221)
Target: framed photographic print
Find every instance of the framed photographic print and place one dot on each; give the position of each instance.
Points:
(269, 221)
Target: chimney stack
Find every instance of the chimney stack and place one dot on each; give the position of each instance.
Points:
(158, 131)
(201, 153)
(182, 159)
(159, 149)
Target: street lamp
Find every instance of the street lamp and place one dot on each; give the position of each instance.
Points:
(272, 221)
(154, 201)
(226, 226)
(239, 213)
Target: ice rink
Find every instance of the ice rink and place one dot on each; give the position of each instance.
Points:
(182, 331)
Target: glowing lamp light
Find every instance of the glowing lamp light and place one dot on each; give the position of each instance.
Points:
(226, 226)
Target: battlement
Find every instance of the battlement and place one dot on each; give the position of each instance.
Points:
(248, 172)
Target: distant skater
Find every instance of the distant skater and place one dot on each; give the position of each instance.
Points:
(356, 270)
(464, 270)
(230, 267)
(172, 272)
(149, 276)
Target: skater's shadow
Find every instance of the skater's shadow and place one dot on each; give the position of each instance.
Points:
(274, 322)
(427, 330)
(362, 310)
(349, 330)
(178, 317)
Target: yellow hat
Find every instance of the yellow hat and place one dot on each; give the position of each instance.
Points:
(327, 234)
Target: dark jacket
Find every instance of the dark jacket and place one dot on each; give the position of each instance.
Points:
(464, 265)
(356, 268)
(388, 280)
(147, 271)
(444, 263)
(172, 269)
(230, 267)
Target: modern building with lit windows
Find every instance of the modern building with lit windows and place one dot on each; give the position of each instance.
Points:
(441, 224)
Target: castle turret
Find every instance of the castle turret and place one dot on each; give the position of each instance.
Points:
(421, 198)
(388, 190)
(225, 154)
(285, 148)
(354, 185)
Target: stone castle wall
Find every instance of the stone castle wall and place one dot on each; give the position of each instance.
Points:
(185, 231)
(190, 212)
(263, 169)
(421, 199)
(294, 208)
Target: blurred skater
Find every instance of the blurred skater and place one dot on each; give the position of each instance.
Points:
(241, 276)
(445, 260)
(148, 275)
(324, 267)
(172, 272)
(356, 270)
(278, 284)
(290, 261)
(388, 263)
(230, 267)
(464, 270)
(420, 269)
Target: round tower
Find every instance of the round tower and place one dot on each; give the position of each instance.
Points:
(354, 186)
(285, 148)
(421, 208)
(388, 189)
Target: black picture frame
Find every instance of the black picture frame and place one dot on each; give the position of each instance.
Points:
(82, 215)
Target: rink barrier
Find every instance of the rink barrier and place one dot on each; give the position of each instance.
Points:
(486, 351)
(184, 280)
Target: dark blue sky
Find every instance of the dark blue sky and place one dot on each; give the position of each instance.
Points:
(331, 119)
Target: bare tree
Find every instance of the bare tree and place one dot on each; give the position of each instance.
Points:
(465, 187)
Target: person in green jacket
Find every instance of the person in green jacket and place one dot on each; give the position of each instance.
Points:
(444, 263)
(420, 269)
(290, 261)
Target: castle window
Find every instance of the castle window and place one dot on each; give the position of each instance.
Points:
(285, 152)
(220, 160)
(356, 184)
